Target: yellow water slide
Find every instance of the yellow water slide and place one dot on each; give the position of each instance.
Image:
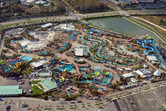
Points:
(16, 64)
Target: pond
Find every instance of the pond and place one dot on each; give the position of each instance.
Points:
(121, 25)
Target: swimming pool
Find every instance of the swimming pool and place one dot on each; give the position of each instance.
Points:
(105, 81)
(26, 58)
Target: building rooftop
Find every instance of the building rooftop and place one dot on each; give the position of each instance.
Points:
(146, 0)
(152, 58)
(128, 75)
(46, 25)
(80, 52)
(10, 90)
(39, 63)
(49, 84)
(143, 72)
(157, 73)
(45, 74)
(133, 80)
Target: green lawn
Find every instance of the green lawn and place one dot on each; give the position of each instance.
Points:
(40, 86)
(60, 108)
(36, 90)
(35, 82)
(47, 108)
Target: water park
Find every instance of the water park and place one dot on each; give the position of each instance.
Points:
(74, 60)
(14, 64)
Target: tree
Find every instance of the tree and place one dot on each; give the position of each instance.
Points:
(114, 86)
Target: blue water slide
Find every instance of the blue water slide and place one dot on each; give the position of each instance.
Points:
(7, 69)
(142, 42)
(152, 49)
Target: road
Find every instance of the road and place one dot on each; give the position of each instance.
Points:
(138, 95)
(80, 16)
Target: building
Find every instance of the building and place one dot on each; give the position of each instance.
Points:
(10, 90)
(128, 75)
(125, 2)
(128, 69)
(157, 73)
(40, 2)
(133, 80)
(48, 84)
(114, 2)
(47, 25)
(45, 74)
(146, 1)
(17, 37)
(67, 26)
(152, 59)
(144, 73)
(39, 64)
(80, 52)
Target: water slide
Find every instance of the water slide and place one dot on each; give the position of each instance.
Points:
(7, 69)
(16, 65)
(142, 42)
(152, 49)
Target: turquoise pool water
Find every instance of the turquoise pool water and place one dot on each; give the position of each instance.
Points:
(105, 81)
(26, 58)
(98, 52)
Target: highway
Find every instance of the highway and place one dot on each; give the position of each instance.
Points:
(80, 16)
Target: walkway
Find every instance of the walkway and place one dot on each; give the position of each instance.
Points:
(114, 73)
(71, 60)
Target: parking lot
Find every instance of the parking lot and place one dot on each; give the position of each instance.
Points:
(151, 100)
(16, 81)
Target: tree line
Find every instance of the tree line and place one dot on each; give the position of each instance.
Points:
(20, 11)
(88, 5)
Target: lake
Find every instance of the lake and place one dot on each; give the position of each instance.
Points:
(119, 24)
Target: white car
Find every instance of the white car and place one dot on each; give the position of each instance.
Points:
(24, 91)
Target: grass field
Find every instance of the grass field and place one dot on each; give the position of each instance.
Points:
(36, 90)
(40, 86)
(35, 82)
(154, 19)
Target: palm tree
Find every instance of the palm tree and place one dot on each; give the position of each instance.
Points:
(5, 102)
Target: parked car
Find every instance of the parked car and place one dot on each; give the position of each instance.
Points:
(20, 76)
(24, 91)
(79, 101)
(72, 102)
(8, 107)
(96, 98)
(30, 91)
(25, 105)
(13, 78)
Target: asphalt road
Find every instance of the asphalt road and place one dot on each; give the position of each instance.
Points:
(148, 100)
(79, 16)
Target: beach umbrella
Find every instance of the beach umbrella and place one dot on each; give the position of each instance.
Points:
(63, 78)
(119, 76)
